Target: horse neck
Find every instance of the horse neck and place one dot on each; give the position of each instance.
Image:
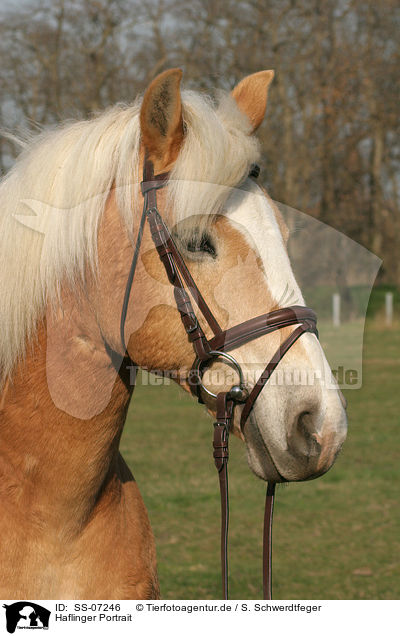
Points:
(61, 418)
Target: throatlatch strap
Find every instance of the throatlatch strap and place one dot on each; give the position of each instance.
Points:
(131, 275)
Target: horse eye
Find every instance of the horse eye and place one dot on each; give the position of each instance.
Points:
(202, 244)
(254, 170)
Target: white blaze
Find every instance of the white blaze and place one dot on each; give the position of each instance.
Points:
(274, 417)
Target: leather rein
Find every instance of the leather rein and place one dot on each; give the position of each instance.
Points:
(206, 350)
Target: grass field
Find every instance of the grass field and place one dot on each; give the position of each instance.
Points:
(337, 537)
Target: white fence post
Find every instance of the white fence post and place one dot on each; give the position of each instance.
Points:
(389, 308)
(336, 310)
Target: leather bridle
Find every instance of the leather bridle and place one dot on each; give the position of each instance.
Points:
(206, 350)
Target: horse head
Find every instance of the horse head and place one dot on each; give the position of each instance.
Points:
(233, 241)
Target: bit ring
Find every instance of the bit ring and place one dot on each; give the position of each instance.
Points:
(239, 392)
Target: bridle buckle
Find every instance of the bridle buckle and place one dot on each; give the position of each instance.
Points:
(195, 325)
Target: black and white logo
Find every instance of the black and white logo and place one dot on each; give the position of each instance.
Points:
(26, 615)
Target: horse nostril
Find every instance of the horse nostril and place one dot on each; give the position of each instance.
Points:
(317, 438)
(303, 440)
(303, 422)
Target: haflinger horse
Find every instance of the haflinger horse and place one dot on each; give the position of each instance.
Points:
(72, 522)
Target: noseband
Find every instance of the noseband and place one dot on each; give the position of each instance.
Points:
(207, 350)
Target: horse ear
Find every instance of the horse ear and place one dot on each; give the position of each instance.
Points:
(251, 96)
(161, 118)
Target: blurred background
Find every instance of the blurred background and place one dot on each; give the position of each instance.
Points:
(330, 148)
(331, 139)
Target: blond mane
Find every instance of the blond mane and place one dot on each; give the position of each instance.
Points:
(51, 202)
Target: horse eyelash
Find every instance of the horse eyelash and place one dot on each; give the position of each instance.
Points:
(205, 244)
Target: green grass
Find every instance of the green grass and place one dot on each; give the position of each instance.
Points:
(337, 537)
